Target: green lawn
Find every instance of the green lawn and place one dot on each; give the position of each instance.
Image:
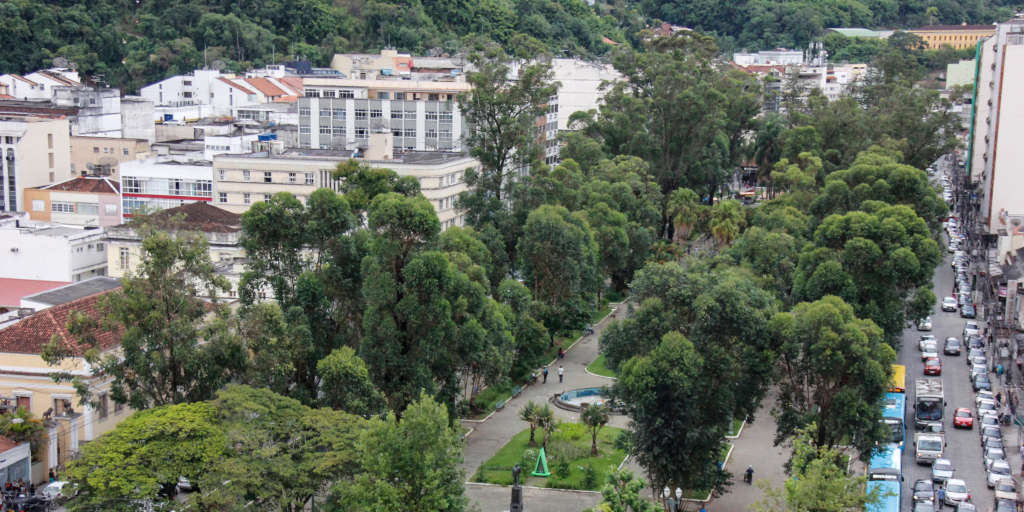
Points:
(735, 427)
(571, 444)
(489, 397)
(598, 368)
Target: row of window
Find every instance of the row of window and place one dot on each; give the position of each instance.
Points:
(110, 151)
(268, 177)
(39, 205)
(167, 186)
(222, 197)
(62, 406)
(380, 95)
(361, 114)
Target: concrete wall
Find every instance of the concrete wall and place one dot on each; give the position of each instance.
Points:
(137, 118)
(581, 86)
(982, 112)
(50, 258)
(41, 157)
(960, 73)
(89, 152)
(1007, 177)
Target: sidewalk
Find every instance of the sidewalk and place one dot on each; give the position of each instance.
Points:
(754, 448)
(491, 434)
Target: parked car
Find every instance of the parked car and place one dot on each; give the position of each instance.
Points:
(933, 366)
(978, 369)
(997, 470)
(993, 454)
(987, 407)
(949, 304)
(956, 492)
(924, 324)
(981, 382)
(1006, 489)
(1005, 506)
(942, 470)
(926, 341)
(983, 395)
(963, 418)
(967, 311)
(924, 491)
(951, 347)
(965, 506)
(989, 432)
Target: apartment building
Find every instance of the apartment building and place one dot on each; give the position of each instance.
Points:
(25, 380)
(52, 253)
(390, 63)
(36, 151)
(221, 228)
(159, 183)
(341, 113)
(241, 180)
(79, 201)
(39, 85)
(581, 88)
(208, 92)
(997, 126)
(956, 36)
(102, 156)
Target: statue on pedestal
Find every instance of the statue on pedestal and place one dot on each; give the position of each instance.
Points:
(517, 491)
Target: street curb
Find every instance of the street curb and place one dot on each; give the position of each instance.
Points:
(575, 491)
(740, 433)
(596, 375)
(707, 498)
(466, 435)
(485, 417)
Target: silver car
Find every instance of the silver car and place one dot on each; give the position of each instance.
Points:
(997, 470)
(994, 454)
(942, 470)
(956, 491)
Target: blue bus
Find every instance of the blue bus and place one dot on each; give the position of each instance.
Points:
(885, 474)
(893, 414)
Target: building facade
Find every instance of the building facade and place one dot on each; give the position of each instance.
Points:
(35, 151)
(157, 184)
(340, 114)
(208, 92)
(581, 88)
(52, 253)
(80, 201)
(995, 154)
(102, 156)
(956, 36)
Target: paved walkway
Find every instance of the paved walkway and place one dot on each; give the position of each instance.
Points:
(492, 434)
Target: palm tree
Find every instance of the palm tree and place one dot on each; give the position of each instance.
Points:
(594, 417)
(529, 414)
(727, 219)
(547, 422)
(685, 210)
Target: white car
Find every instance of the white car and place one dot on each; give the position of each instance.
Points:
(971, 328)
(994, 454)
(928, 345)
(949, 304)
(997, 470)
(986, 407)
(1006, 489)
(942, 470)
(977, 370)
(56, 490)
(925, 324)
(956, 491)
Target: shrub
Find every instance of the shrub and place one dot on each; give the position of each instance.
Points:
(564, 450)
(589, 477)
(562, 469)
(528, 460)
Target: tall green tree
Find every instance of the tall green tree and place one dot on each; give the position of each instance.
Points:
(411, 464)
(833, 370)
(346, 384)
(594, 417)
(175, 346)
(558, 257)
(622, 494)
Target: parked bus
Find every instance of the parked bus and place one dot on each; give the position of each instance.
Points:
(899, 379)
(894, 412)
(885, 475)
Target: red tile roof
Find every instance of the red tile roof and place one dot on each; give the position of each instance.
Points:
(23, 79)
(294, 82)
(236, 86)
(265, 86)
(87, 184)
(12, 290)
(202, 216)
(56, 77)
(6, 444)
(286, 99)
(29, 335)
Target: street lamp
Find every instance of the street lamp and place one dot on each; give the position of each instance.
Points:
(672, 505)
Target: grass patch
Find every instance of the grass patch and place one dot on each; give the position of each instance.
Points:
(485, 401)
(598, 368)
(734, 428)
(701, 494)
(568, 455)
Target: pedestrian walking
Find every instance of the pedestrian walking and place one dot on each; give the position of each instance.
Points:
(561, 373)
(940, 496)
(545, 374)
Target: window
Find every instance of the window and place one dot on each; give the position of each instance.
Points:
(87, 208)
(325, 130)
(309, 178)
(104, 406)
(106, 151)
(222, 197)
(339, 130)
(397, 132)
(61, 207)
(431, 116)
(95, 149)
(245, 198)
(110, 209)
(383, 95)
(360, 133)
(446, 116)
(433, 97)
(49, 140)
(360, 114)
(399, 95)
(396, 114)
(125, 258)
(431, 134)
(312, 93)
(99, 247)
(339, 114)
(304, 129)
(327, 93)
(325, 112)
(25, 402)
(38, 205)
(410, 132)
(266, 198)
(445, 134)
(131, 185)
(292, 177)
(345, 93)
(410, 114)
(304, 111)
(221, 174)
(125, 151)
(51, 160)
(376, 113)
(268, 177)
(246, 176)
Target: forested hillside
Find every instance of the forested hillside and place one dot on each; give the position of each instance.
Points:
(757, 24)
(135, 42)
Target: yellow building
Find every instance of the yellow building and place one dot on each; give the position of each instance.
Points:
(25, 381)
(101, 156)
(956, 36)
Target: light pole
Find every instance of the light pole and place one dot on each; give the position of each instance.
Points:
(672, 505)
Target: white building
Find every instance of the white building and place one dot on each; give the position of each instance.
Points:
(35, 151)
(39, 85)
(208, 92)
(160, 183)
(99, 110)
(581, 86)
(52, 253)
(340, 113)
(778, 56)
(995, 152)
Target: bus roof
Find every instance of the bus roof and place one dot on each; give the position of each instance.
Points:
(895, 405)
(885, 456)
(889, 500)
(899, 379)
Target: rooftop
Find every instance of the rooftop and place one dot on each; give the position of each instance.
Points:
(30, 334)
(58, 231)
(395, 84)
(12, 290)
(74, 291)
(201, 216)
(87, 184)
(410, 157)
(947, 28)
(266, 87)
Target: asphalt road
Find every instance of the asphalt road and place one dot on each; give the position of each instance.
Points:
(963, 446)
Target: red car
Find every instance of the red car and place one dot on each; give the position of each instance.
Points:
(963, 418)
(933, 366)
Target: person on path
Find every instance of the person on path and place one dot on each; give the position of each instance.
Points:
(749, 474)
(940, 496)
(545, 373)
(561, 373)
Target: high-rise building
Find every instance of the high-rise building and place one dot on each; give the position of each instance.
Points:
(35, 152)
